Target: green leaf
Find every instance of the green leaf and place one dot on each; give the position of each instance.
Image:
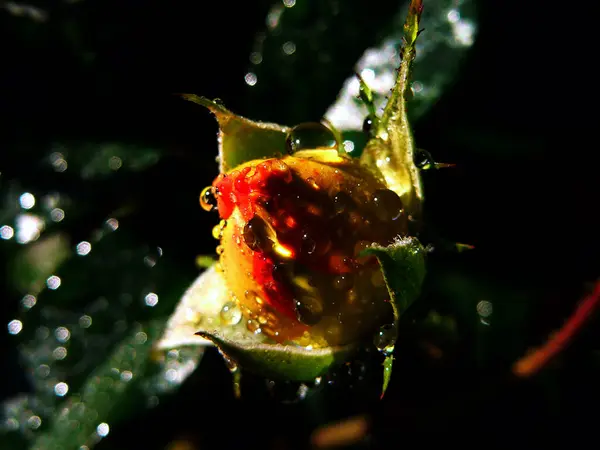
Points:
(306, 51)
(95, 160)
(86, 416)
(112, 296)
(450, 30)
(241, 139)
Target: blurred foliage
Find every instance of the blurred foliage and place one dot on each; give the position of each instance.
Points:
(100, 174)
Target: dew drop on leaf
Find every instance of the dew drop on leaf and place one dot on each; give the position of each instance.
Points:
(385, 338)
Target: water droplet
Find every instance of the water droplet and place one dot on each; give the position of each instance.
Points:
(257, 234)
(423, 159)
(62, 334)
(484, 308)
(253, 326)
(103, 429)
(256, 58)
(342, 202)
(34, 422)
(83, 248)
(27, 200)
(289, 48)
(6, 232)
(151, 299)
(310, 136)
(220, 249)
(308, 245)
(385, 338)
(85, 321)
(343, 282)
(59, 353)
(312, 183)
(208, 201)
(252, 297)
(250, 78)
(61, 389)
(28, 301)
(231, 313)
(15, 326)
(367, 125)
(53, 282)
(387, 204)
(309, 310)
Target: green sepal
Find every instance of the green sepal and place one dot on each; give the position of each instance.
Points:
(241, 139)
(403, 267)
(391, 148)
(278, 361)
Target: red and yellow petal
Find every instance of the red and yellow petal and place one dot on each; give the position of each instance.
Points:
(294, 228)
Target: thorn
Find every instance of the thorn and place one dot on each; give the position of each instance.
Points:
(463, 247)
(443, 165)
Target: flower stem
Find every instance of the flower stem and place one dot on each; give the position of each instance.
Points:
(391, 149)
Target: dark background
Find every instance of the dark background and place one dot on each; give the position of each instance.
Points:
(106, 71)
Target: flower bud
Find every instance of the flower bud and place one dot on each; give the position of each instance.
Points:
(291, 240)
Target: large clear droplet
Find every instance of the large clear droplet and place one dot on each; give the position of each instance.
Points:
(387, 205)
(310, 136)
(423, 159)
(208, 201)
(309, 310)
(257, 234)
(231, 313)
(342, 202)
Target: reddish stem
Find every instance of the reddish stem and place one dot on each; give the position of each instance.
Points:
(535, 360)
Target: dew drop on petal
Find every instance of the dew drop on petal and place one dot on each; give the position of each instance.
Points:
(309, 310)
(386, 204)
(231, 313)
(310, 136)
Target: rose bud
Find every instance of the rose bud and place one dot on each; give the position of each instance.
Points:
(290, 245)
(315, 260)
